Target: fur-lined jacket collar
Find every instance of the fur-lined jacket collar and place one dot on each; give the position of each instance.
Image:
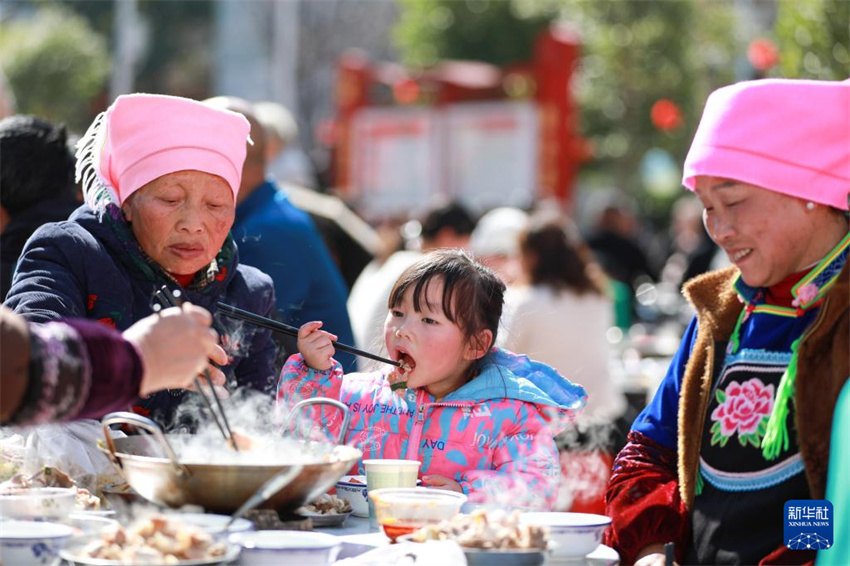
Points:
(823, 360)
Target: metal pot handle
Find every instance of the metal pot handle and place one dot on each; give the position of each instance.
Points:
(124, 417)
(346, 416)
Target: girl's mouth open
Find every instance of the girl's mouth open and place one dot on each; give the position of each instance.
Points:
(408, 364)
(398, 377)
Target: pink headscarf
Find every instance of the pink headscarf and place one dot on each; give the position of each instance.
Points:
(142, 137)
(788, 136)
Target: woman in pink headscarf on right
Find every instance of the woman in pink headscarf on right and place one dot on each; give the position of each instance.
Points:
(741, 422)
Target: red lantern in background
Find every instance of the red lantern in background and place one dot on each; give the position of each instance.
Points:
(405, 91)
(665, 115)
(762, 54)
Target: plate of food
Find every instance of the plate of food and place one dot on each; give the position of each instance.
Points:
(153, 540)
(75, 555)
(327, 511)
(490, 538)
(327, 519)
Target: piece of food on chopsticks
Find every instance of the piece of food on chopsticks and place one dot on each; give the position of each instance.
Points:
(244, 442)
(489, 530)
(156, 540)
(398, 377)
(328, 504)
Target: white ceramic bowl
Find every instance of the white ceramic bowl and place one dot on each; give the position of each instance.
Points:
(575, 534)
(32, 543)
(272, 548)
(355, 493)
(42, 503)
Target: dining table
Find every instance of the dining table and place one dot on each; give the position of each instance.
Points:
(358, 536)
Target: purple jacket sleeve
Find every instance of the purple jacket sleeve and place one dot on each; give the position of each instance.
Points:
(116, 369)
(78, 369)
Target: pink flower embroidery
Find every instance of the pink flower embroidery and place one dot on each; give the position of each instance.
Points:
(806, 294)
(743, 407)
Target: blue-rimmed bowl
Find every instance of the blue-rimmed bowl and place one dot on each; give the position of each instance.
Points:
(32, 543)
(353, 489)
(272, 548)
(575, 534)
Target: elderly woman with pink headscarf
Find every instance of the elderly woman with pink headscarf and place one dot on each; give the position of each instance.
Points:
(741, 422)
(160, 176)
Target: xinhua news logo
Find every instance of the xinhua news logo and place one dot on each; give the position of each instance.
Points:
(808, 524)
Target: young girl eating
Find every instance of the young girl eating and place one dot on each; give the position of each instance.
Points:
(481, 420)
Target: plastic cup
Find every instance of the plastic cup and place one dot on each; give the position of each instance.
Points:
(388, 473)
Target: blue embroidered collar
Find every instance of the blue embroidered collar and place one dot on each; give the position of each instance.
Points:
(812, 287)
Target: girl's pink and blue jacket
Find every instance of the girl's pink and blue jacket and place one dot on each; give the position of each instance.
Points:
(494, 435)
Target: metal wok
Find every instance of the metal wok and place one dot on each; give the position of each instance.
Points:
(151, 467)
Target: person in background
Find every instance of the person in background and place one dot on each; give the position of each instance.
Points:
(160, 178)
(351, 242)
(37, 180)
(80, 369)
(287, 162)
(445, 226)
(614, 240)
(480, 419)
(495, 241)
(561, 316)
(690, 249)
(281, 240)
(741, 422)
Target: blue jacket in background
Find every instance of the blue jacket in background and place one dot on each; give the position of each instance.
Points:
(281, 239)
(88, 267)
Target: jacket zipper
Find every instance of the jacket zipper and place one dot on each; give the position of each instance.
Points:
(419, 421)
(416, 433)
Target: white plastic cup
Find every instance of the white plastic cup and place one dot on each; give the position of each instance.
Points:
(388, 473)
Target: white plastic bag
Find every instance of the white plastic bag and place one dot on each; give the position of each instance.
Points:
(72, 448)
(12, 450)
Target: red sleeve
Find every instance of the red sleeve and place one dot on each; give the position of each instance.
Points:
(643, 500)
(783, 556)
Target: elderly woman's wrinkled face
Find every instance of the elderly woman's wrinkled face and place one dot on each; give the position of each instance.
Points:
(768, 235)
(182, 219)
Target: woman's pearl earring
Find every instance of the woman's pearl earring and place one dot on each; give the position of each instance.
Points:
(810, 205)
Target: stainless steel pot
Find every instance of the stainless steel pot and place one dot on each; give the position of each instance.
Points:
(151, 467)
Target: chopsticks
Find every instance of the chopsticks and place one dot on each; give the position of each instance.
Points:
(166, 298)
(275, 326)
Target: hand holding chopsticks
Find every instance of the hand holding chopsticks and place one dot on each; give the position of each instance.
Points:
(175, 345)
(166, 298)
(279, 327)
